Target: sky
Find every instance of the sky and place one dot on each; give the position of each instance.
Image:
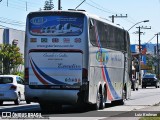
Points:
(13, 14)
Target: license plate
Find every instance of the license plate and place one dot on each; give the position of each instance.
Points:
(148, 83)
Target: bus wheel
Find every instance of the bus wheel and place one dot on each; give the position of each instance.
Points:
(97, 105)
(103, 98)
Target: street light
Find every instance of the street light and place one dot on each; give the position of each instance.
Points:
(138, 23)
(139, 58)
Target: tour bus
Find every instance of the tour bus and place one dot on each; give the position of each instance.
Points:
(81, 58)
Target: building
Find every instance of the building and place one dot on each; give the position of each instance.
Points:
(145, 50)
(13, 36)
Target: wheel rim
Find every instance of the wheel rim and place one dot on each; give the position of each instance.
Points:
(104, 98)
(98, 100)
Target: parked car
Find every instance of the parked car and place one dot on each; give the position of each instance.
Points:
(135, 84)
(11, 89)
(150, 80)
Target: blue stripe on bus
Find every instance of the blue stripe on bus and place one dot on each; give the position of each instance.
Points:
(114, 93)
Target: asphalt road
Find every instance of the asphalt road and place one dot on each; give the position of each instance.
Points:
(141, 102)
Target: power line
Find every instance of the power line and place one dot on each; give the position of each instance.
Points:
(97, 8)
(11, 23)
(80, 4)
(20, 4)
(103, 7)
(3, 26)
(117, 16)
(151, 38)
(7, 19)
(33, 2)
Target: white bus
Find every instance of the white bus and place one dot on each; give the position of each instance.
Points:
(73, 57)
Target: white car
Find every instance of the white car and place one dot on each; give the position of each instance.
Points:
(11, 89)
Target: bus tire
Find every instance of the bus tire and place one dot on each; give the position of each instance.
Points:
(96, 106)
(103, 98)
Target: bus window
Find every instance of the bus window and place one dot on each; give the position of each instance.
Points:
(66, 25)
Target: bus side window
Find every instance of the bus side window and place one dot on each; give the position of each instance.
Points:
(91, 25)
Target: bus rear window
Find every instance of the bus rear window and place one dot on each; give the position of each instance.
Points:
(56, 25)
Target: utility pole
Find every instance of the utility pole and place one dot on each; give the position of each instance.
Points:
(140, 56)
(59, 4)
(157, 55)
(26, 6)
(117, 16)
(139, 60)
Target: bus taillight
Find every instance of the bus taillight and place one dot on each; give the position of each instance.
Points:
(26, 77)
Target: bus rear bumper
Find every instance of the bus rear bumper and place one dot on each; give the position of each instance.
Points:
(51, 96)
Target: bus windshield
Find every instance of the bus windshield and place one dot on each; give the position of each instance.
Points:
(56, 25)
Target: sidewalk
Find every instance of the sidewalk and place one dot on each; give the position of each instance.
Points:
(140, 113)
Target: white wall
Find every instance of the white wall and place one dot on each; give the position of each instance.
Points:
(1, 35)
(17, 35)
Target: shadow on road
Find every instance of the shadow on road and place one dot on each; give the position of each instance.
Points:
(35, 108)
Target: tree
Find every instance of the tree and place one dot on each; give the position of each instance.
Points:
(150, 61)
(10, 57)
(48, 5)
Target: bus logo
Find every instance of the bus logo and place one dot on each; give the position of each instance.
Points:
(102, 56)
(38, 20)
